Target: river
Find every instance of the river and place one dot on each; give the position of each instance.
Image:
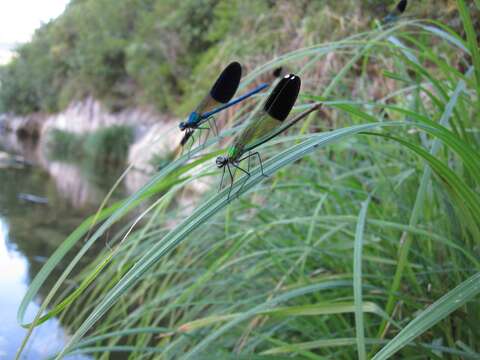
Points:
(41, 202)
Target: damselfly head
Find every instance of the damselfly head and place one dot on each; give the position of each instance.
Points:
(227, 83)
(221, 161)
(182, 125)
(281, 100)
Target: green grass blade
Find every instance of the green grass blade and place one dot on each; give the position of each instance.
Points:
(160, 182)
(207, 210)
(439, 310)
(287, 311)
(342, 342)
(416, 211)
(471, 34)
(357, 282)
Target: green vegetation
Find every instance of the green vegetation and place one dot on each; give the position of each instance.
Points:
(105, 146)
(159, 161)
(362, 243)
(165, 52)
(109, 144)
(64, 145)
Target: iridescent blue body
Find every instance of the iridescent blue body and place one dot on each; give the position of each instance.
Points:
(196, 119)
(193, 119)
(219, 99)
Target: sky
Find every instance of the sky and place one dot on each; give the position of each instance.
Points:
(20, 18)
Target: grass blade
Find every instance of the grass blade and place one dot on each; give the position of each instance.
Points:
(357, 281)
(439, 310)
(209, 209)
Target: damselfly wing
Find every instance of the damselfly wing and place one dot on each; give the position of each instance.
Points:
(219, 99)
(221, 93)
(395, 14)
(275, 110)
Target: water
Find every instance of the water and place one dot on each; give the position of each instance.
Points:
(31, 231)
(14, 268)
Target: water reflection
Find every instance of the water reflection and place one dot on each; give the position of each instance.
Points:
(49, 337)
(30, 232)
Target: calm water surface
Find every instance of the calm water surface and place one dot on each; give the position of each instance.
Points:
(31, 231)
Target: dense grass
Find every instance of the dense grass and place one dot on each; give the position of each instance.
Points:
(363, 241)
(107, 145)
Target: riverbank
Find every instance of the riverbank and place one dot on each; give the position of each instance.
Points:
(151, 133)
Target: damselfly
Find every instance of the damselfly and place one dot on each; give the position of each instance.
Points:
(265, 126)
(395, 14)
(218, 99)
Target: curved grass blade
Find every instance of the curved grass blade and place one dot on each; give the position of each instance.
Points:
(163, 180)
(440, 309)
(287, 311)
(206, 211)
(342, 342)
(357, 281)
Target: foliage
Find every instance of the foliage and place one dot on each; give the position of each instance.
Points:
(136, 52)
(64, 145)
(159, 161)
(108, 145)
(362, 242)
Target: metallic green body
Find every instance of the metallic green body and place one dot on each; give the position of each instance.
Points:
(258, 129)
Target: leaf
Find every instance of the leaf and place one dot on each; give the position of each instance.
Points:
(357, 281)
(205, 212)
(439, 310)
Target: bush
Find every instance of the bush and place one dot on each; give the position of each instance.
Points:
(132, 52)
(106, 146)
(64, 145)
(109, 145)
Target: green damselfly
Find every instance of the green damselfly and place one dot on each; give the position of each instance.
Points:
(263, 127)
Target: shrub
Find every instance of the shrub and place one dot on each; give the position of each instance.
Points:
(109, 145)
(64, 145)
(106, 146)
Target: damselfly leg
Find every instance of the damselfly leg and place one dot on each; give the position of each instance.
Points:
(231, 175)
(231, 181)
(190, 139)
(186, 138)
(249, 156)
(201, 143)
(247, 173)
(221, 181)
(213, 126)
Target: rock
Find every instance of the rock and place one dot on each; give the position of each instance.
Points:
(24, 126)
(14, 161)
(162, 139)
(33, 198)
